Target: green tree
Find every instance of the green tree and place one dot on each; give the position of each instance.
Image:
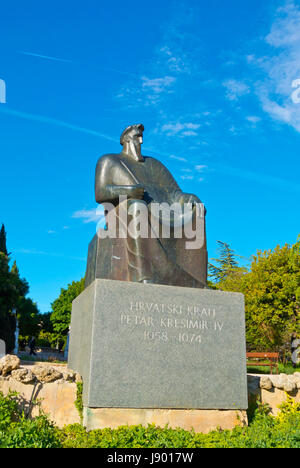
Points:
(3, 248)
(45, 322)
(11, 288)
(226, 263)
(271, 290)
(15, 269)
(46, 337)
(28, 318)
(61, 310)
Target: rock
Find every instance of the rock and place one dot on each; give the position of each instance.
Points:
(4, 379)
(280, 381)
(265, 383)
(23, 375)
(286, 383)
(9, 363)
(46, 374)
(78, 378)
(290, 386)
(297, 381)
(69, 376)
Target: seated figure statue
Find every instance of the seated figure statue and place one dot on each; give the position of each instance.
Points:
(135, 183)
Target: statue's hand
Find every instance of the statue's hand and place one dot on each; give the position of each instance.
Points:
(130, 191)
(136, 191)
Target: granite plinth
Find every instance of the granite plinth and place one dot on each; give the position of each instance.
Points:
(198, 420)
(153, 346)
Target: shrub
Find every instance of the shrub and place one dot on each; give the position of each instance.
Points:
(264, 431)
(30, 433)
(8, 410)
(16, 431)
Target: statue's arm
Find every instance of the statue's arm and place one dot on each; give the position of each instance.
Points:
(106, 188)
(175, 193)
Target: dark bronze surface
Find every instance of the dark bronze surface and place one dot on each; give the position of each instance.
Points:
(146, 180)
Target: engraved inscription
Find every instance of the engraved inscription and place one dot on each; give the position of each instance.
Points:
(167, 323)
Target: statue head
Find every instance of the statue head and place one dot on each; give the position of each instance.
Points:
(131, 140)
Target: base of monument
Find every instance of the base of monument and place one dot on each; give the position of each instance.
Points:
(200, 420)
(152, 346)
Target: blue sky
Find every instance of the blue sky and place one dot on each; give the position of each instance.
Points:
(210, 81)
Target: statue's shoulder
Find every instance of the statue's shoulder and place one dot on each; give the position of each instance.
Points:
(107, 160)
(153, 161)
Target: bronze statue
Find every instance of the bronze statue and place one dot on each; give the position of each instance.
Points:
(143, 182)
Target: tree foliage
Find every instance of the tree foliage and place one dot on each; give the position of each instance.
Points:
(3, 248)
(225, 264)
(46, 337)
(29, 318)
(272, 296)
(12, 287)
(13, 290)
(62, 307)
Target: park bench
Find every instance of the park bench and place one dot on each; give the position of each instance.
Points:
(259, 359)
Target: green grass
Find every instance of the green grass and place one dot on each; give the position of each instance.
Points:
(282, 369)
(28, 358)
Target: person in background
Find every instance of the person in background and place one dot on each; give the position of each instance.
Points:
(32, 346)
(295, 349)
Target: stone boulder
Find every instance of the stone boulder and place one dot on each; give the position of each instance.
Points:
(69, 376)
(265, 383)
(77, 377)
(9, 363)
(297, 381)
(285, 382)
(46, 374)
(23, 375)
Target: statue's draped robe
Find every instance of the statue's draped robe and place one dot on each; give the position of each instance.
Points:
(160, 260)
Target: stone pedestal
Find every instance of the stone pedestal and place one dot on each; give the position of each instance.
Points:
(199, 420)
(143, 346)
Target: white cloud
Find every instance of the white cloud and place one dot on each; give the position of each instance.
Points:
(174, 59)
(47, 57)
(178, 158)
(189, 133)
(235, 89)
(49, 254)
(185, 129)
(90, 216)
(175, 63)
(285, 30)
(253, 119)
(262, 178)
(52, 121)
(157, 85)
(281, 66)
(200, 167)
(147, 91)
